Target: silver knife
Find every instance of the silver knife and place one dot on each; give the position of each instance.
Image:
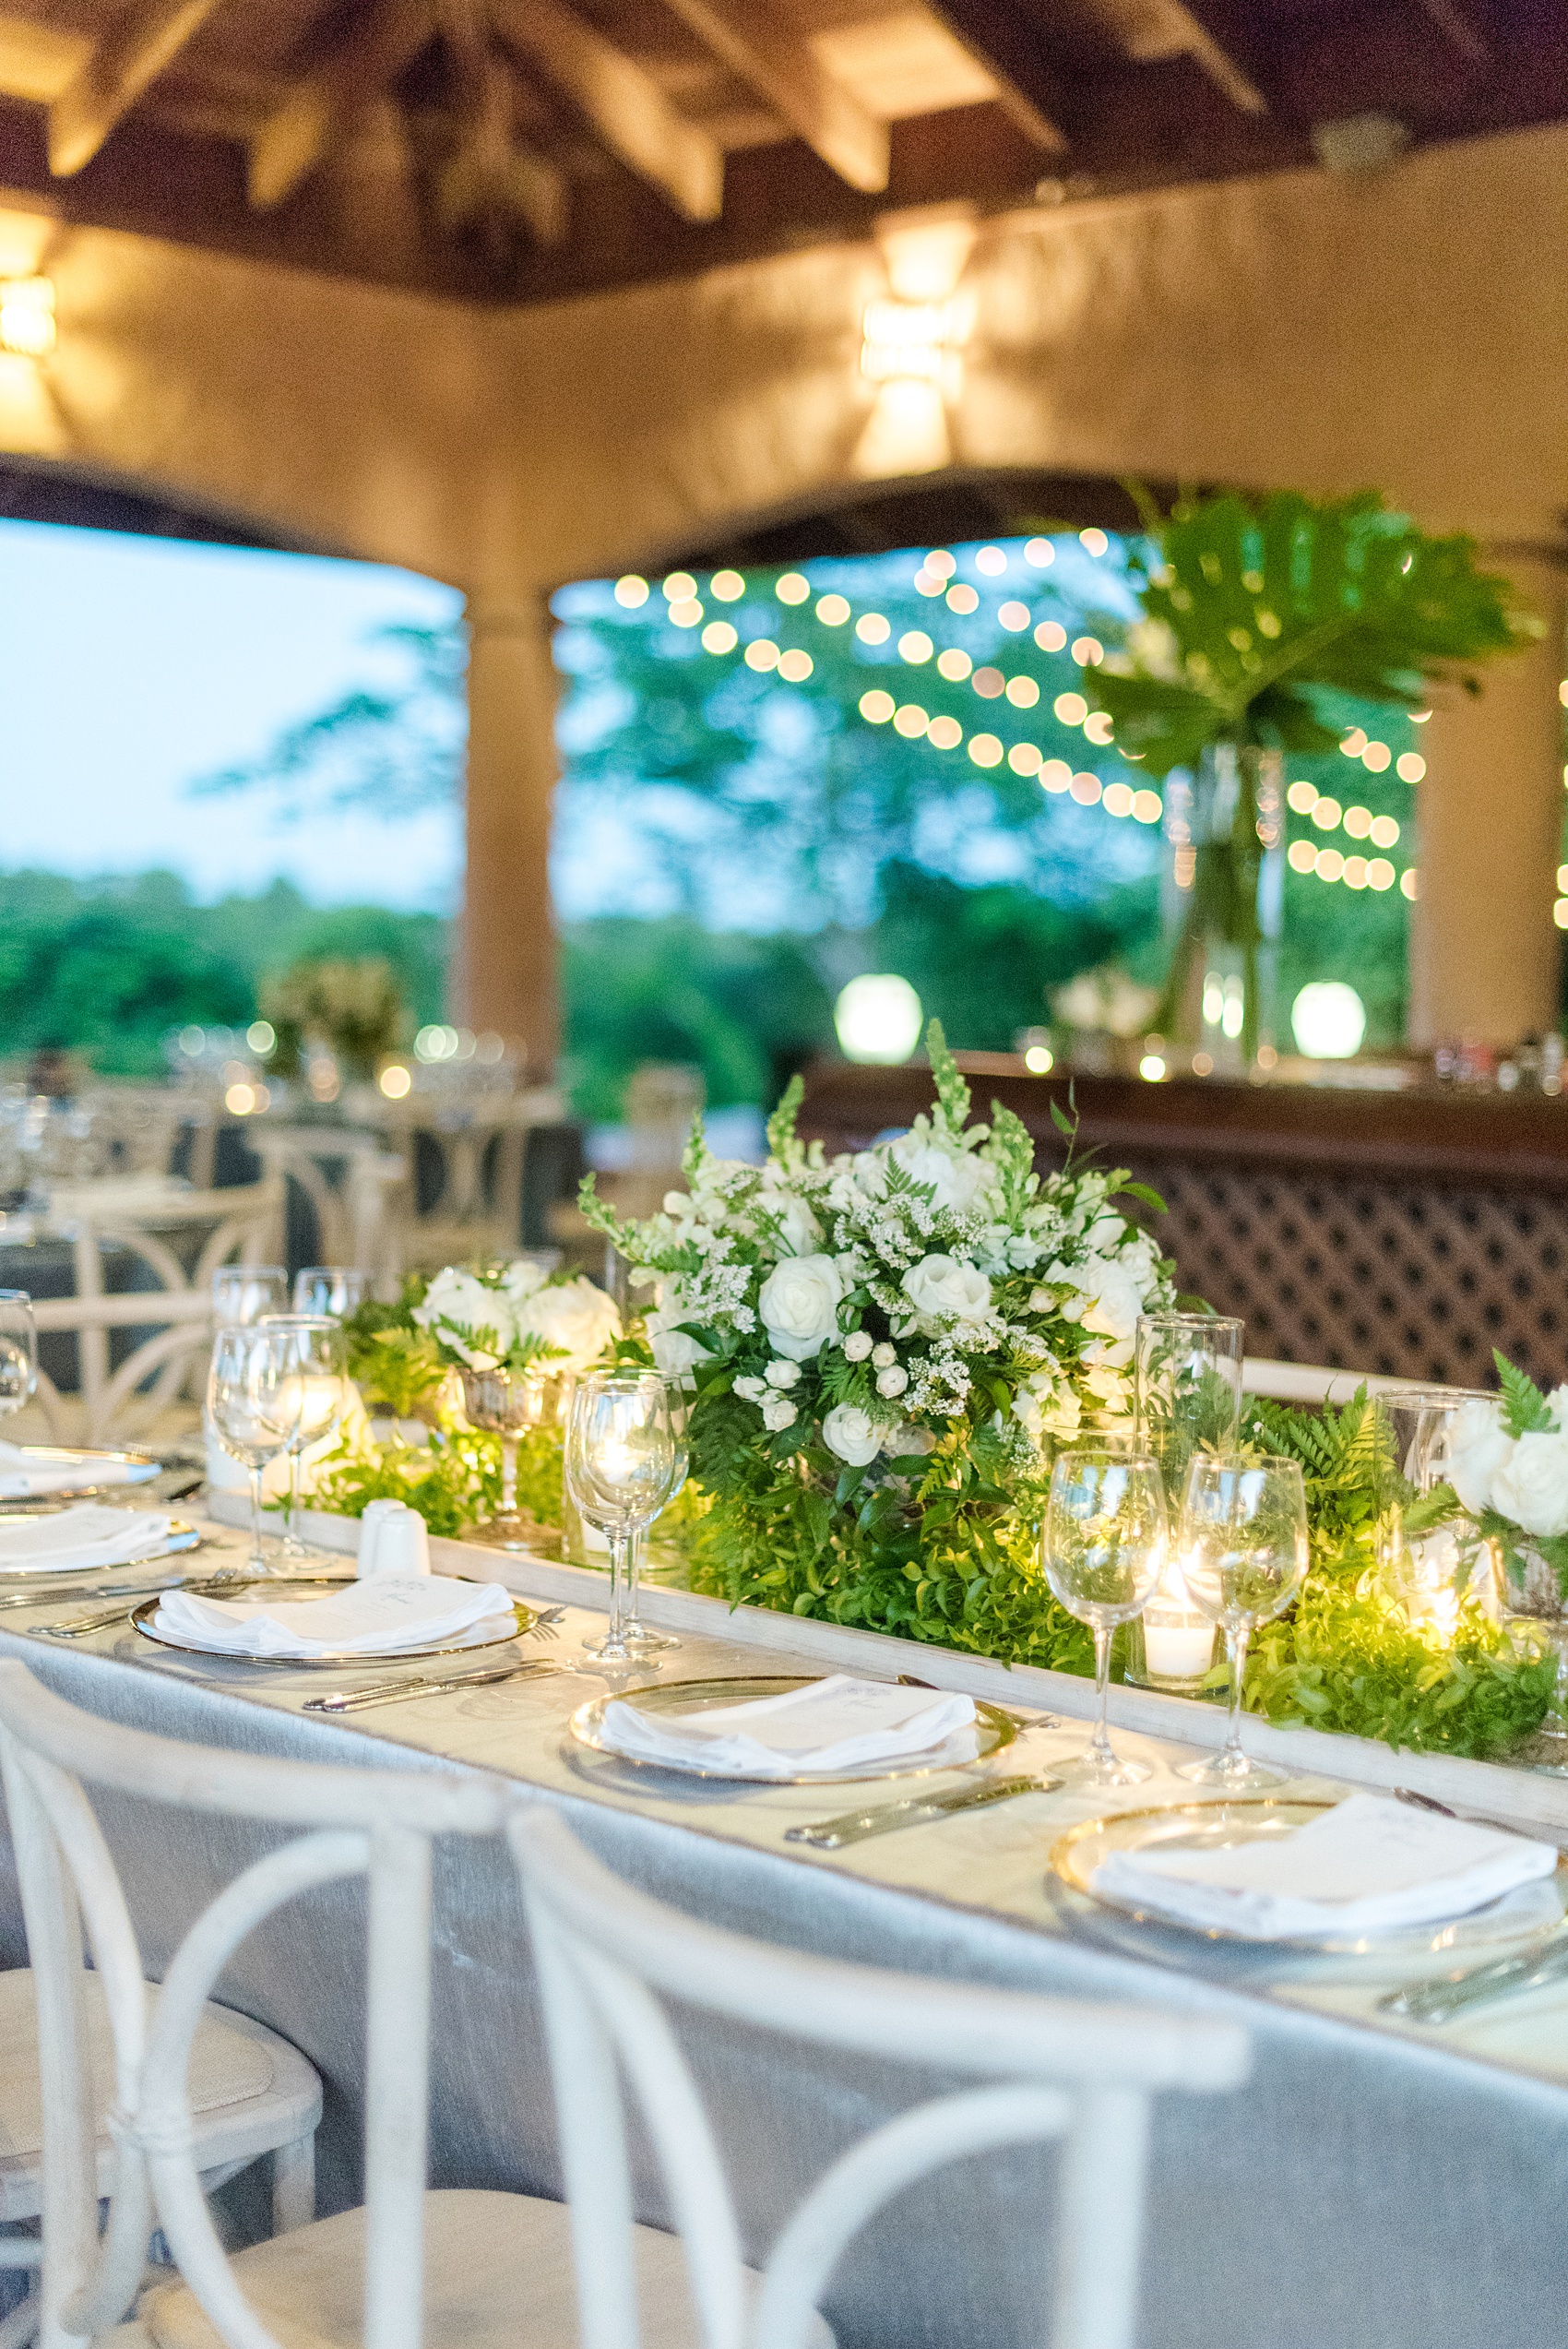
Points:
(391, 1692)
(914, 1810)
(76, 1627)
(1437, 2002)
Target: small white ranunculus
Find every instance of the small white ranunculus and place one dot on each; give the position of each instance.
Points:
(458, 1301)
(752, 1390)
(1532, 1487)
(883, 1356)
(778, 1412)
(857, 1345)
(799, 1304)
(941, 1284)
(575, 1317)
(782, 1373)
(852, 1434)
(1479, 1446)
(893, 1380)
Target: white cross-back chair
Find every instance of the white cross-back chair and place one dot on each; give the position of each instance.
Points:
(1042, 2070)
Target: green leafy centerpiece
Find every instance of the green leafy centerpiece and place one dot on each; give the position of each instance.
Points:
(882, 1351)
(1257, 614)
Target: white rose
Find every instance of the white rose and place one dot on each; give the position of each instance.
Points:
(576, 1319)
(1479, 1446)
(954, 1178)
(883, 1356)
(782, 1373)
(457, 1300)
(799, 1232)
(521, 1280)
(1532, 1487)
(940, 1284)
(778, 1412)
(857, 1345)
(799, 1304)
(752, 1390)
(850, 1431)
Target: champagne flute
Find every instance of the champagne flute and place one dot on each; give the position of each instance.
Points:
(1104, 1544)
(634, 1632)
(1243, 1543)
(243, 1293)
(19, 1350)
(331, 1289)
(315, 1398)
(620, 1461)
(249, 1407)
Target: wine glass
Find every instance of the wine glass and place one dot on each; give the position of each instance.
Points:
(636, 1633)
(1243, 1545)
(313, 1396)
(243, 1293)
(331, 1289)
(19, 1350)
(250, 1406)
(621, 1451)
(506, 1403)
(1104, 1544)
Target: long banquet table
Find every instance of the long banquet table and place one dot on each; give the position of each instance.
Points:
(1374, 2186)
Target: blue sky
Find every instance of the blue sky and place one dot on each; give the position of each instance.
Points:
(131, 666)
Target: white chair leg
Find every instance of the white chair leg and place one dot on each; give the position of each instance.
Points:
(21, 2326)
(294, 2187)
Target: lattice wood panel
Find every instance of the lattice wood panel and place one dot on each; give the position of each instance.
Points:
(1411, 1281)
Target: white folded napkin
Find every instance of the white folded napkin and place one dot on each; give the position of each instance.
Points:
(837, 1723)
(25, 1470)
(1367, 1865)
(390, 1611)
(89, 1534)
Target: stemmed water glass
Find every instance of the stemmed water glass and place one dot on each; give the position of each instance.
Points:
(244, 1293)
(634, 1631)
(1104, 1544)
(1243, 1546)
(250, 1407)
(333, 1291)
(621, 1460)
(19, 1350)
(314, 1398)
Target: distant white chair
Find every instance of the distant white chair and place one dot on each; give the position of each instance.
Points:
(240, 1224)
(1045, 2070)
(70, 2040)
(1309, 1383)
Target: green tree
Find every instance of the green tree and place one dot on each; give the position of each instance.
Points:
(108, 983)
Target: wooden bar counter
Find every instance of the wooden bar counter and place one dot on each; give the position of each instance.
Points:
(1407, 1232)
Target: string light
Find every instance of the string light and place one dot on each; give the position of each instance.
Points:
(680, 588)
(1025, 759)
(1559, 913)
(1086, 790)
(1327, 813)
(631, 590)
(1376, 758)
(1015, 617)
(793, 588)
(762, 654)
(944, 733)
(1051, 636)
(795, 667)
(1094, 542)
(719, 637)
(871, 628)
(1097, 729)
(989, 684)
(941, 564)
(985, 750)
(1410, 884)
(1411, 767)
(833, 610)
(1087, 651)
(953, 665)
(877, 706)
(1302, 797)
(1022, 692)
(910, 721)
(727, 586)
(992, 561)
(1041, 553)
(1071, 708)
(962, 600)
(686, 614)
(915, 647)
(1056, 775)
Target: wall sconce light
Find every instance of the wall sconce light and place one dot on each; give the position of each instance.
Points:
(26, 316)
(905, 342)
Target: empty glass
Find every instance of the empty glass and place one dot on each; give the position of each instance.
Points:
(621, 1460)
(243, 1293)
(19, 1350)
(1104, 1544)
(1187, 1395)
(506, 1404)
(336, 1290)
(634, 1631)
(250, 1406)
(1243, 1553)
(313, 1396)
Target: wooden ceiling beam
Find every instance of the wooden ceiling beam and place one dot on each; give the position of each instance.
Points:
(745, 35)
(494, 176)
(313, 116)
(1029, 86)
(626, 108)
(114, 76)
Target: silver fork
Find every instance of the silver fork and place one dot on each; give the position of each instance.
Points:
(544, 1625)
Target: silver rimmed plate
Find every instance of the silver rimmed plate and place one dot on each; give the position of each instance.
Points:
(1535, 1909)
(82, 1473)
(320, 1587)
(181, 1535)
(684, 1699)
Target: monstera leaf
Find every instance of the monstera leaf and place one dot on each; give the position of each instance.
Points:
(1249, 608)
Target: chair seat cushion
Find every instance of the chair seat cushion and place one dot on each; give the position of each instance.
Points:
(498, 2276)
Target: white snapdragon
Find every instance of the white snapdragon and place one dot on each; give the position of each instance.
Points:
(782, 1373)
(857, 1345)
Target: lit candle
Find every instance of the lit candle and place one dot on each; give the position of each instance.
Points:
(1178, 1640)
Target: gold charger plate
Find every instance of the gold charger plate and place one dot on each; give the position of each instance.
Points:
(1220, 1825)
(181, 1535)
(72, 1456)
(990, 1729)
(322, 1586)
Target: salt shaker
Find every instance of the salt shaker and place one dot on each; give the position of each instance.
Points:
(393, 1539)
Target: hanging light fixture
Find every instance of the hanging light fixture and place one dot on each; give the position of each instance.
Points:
(26, 316)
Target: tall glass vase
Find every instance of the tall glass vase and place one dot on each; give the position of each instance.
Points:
(1224, 900)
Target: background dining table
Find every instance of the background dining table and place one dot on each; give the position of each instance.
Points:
(1375, 2184)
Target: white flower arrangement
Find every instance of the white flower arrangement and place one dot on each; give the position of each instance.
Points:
(1508, 1467)
(872, 1305)
(515, 1317)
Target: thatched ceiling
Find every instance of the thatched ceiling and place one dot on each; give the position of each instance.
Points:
(511, 149)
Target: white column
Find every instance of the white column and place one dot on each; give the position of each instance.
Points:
(507, 961)
(1484, 951)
